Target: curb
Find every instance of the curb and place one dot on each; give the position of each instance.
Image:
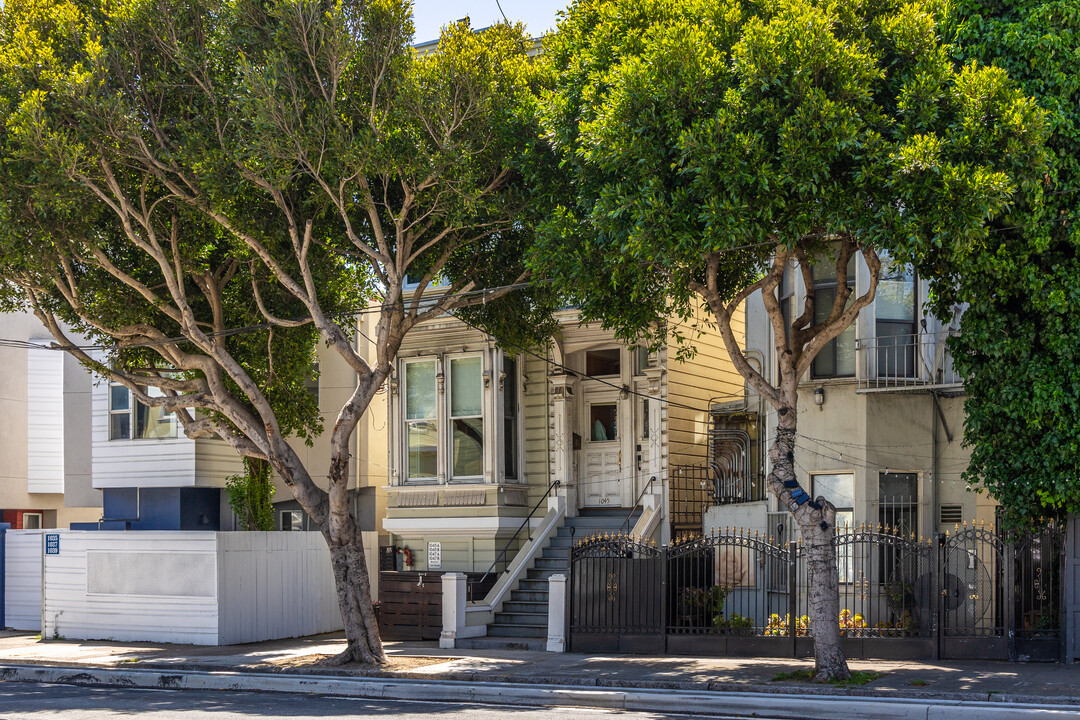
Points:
(747, 704)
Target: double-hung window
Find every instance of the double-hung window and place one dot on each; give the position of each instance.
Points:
(895, 310)
(466, 418)
(837, 358)
(421, 421)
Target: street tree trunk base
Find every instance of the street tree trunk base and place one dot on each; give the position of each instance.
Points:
(354, 600)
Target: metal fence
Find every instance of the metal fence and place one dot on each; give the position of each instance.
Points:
(896, 362)
(968, 593)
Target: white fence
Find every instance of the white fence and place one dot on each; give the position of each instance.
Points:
(200, 588)
(22, 591)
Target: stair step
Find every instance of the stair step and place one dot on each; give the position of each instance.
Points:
(525, 606)
(604, 512)
(544, 573)
(560, 541)
(533, 584)
(497, 643)
(545, 563)
(525, 631)
(597, 523)
(556, 553)
(521, 619)
(529, 596)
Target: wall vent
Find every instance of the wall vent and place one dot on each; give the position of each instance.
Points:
(952, 514)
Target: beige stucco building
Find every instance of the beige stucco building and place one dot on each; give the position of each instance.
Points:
(45, 398)
(881, 414)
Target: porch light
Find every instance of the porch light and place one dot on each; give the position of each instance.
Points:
(819, 396)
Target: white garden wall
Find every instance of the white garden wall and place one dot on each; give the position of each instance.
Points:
(201, 588)
(22, 591)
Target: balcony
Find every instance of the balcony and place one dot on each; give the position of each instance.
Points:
(906, 363)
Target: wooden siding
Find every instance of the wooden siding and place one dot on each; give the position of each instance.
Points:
(693, 384)
(536, 402)
(215, 460)
(44, 421)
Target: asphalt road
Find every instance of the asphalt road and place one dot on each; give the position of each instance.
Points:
(23, 701)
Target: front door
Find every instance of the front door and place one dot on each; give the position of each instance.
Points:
(601, 467)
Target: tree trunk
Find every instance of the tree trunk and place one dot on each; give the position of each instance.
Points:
(823, 589)
(354, 599)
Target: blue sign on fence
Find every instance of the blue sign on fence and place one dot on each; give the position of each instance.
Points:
(52, 544)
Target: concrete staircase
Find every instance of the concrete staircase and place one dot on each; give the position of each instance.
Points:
(522, 623)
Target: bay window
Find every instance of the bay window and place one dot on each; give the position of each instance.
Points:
(450, 407)
(421, 421)
(466, 418)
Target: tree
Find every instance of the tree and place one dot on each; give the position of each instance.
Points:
(251, 495)
(211, 189)
(706, 146)
(1019, 345)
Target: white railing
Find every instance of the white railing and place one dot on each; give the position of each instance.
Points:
(906, 362)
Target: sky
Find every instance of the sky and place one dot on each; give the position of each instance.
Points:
(430, 15)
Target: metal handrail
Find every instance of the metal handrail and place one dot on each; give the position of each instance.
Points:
(554, 484)
(637, 502)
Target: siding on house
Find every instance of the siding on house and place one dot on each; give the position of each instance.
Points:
(709, 376)
(44, 420)
(165, 462)
(215, 460)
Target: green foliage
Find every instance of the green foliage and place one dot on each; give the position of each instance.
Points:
(1019, 346)
(685, 128)
(251, 496)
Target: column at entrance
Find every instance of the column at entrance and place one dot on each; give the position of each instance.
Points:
(562, 439)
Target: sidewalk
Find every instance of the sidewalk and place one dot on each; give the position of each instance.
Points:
(952, 680)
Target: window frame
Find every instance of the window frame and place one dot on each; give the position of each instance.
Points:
(517, 382)
(132, 412)
(40, 520)
(406, 421)
(910, 360)
(448, 426)
(833, 284)
(841, 562)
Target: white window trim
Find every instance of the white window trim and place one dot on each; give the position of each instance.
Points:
(132, 413)
(403, 424)
(40, 520)
(485, 419)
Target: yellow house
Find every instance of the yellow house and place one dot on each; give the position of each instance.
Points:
(497, 460)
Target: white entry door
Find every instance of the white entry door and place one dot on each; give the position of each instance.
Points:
(601, 467)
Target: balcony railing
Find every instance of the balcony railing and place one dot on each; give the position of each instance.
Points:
(906, 362)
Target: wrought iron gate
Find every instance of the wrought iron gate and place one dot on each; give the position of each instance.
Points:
(968, 594)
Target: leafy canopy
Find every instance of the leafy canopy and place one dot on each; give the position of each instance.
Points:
(687, 128)
(1019, 346)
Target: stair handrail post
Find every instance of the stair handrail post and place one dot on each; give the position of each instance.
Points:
(554, 484)
(637, 502)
